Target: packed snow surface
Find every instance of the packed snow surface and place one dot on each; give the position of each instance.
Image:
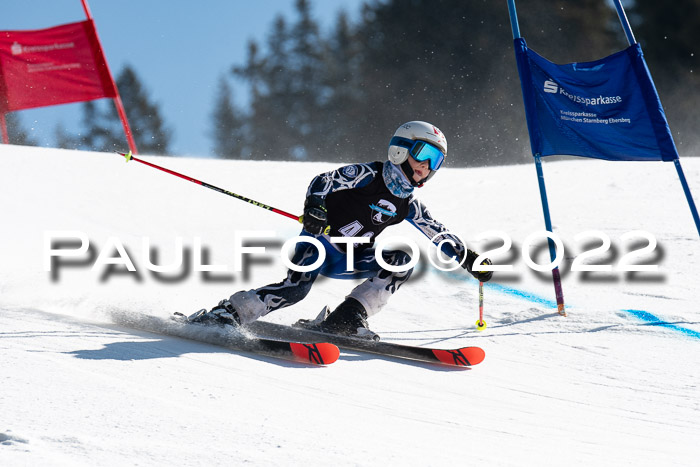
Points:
(613, 383)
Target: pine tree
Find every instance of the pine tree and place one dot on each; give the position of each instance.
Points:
(307, 66)
(566, 31)
(150, 134)
(285, 115)
(228, 132)
(340, 92)
(16, 132)
(270, 105)
(103, 130)
(449, 62)
(669, 33)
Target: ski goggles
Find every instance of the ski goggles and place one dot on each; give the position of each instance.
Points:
(421, 151)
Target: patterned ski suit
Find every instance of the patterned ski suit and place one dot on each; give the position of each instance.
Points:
(359, 205)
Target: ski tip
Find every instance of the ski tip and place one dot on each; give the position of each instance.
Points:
(321, 353)
(466, 356)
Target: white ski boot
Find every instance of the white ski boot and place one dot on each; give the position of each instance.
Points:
(222, 314)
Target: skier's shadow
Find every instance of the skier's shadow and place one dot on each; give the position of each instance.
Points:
(164, 348)
(148, 346)
(130, 350)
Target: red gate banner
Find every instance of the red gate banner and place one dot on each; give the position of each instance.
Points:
(52, 66)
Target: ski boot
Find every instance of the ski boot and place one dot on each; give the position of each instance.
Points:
(348, 319)
(222, 314)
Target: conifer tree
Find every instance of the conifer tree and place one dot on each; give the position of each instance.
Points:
(16, 132)
(228, 132)
(103, 130)
(150, 134)
(341, 91)
(449, 62)
(285, 85)
(269, 128)
(669, 33)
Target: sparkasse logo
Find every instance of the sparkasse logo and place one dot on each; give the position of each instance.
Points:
(550, 87)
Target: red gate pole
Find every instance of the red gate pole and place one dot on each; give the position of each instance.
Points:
(3, 128)
(117, 99)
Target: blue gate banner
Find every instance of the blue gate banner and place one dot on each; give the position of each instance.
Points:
(605, 109)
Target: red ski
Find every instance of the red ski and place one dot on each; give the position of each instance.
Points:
(465, 356)
(315, 353)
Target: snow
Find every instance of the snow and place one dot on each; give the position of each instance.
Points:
(614, 383)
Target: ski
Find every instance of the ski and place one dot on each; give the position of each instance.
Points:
(315, 353)
(464, 356)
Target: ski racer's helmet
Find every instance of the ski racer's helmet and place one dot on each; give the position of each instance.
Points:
(419, 140)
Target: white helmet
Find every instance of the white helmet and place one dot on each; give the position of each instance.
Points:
(410, 139)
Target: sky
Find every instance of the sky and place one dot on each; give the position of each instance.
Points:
(179, 49)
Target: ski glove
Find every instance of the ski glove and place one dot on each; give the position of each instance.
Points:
(315, 218)
(481, 276)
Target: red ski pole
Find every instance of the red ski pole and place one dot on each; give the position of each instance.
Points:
(481, 324)
(130, 157)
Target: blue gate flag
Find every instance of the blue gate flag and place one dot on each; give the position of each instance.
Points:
(606, 109)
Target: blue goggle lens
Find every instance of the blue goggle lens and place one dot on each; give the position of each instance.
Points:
(422, 151)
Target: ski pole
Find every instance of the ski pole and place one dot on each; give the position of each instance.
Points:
(130, 157)
(481, 324)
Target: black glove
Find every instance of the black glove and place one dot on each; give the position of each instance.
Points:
(481, 276)
(315, 215)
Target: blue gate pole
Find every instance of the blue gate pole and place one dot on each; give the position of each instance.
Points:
(625, 23)
(513, 19)
(556, 276)
(681, 176)
(688, 196)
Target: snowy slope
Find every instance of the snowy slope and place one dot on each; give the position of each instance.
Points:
(614, 383)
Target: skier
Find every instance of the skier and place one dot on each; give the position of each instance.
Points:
(358, 200)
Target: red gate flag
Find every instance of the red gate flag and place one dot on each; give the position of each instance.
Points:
(52, 66)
